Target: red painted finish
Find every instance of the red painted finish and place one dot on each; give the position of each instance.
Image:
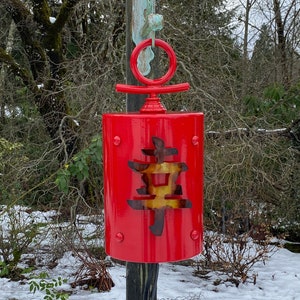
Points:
(172, 61)
(153, 87)
(128, 234)
(153, 175)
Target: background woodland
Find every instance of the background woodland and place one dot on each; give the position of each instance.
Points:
(60, 61)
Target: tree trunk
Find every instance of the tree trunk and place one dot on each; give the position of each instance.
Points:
(281, 43)
(42, 42)
(8, 49)
(248, 7)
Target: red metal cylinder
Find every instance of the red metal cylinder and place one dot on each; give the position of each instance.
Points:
(153, 185)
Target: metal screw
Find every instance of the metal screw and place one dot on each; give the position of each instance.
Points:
(195, 235)
(195, 140)
(117, 140)
(119, 237)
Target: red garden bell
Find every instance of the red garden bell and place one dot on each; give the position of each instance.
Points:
(153, 174)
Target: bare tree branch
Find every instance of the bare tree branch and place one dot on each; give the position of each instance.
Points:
(18, 70)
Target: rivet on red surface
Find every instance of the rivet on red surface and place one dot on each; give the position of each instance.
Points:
(119, 237)
(117, 140)
(195, 235)
(195, 140)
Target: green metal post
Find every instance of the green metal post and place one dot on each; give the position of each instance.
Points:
(141, 278)
(141, 281)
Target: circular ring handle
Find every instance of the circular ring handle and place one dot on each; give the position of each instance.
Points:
(172, 61)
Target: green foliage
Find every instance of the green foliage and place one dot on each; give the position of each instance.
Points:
(81, 165)
(274, 93)
(4, 270)
(49, 288)
(262, 63)
(276, 106)
(63, 179)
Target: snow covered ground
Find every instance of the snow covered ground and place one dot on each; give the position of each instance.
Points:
(277, 279)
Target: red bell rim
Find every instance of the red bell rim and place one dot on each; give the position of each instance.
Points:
(172, 62)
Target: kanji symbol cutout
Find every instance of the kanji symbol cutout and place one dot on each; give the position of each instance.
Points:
(160, 191)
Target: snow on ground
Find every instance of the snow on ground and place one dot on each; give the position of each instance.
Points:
(277, 279)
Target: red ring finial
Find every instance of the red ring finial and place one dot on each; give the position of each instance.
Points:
(153, 86)
(172, 61)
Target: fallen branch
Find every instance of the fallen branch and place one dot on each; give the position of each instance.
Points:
(241, 132)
